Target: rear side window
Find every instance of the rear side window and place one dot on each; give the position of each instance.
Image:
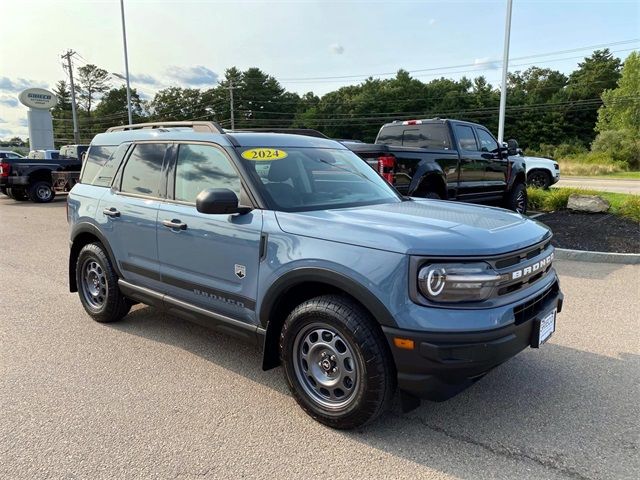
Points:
(200, 167)
(466, 138)
(143, 170)
(430, 135)
(101, 164)
(391, 135)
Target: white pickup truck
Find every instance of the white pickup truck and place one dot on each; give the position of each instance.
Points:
(541, 172)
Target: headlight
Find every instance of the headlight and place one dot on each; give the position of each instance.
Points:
(457, 282)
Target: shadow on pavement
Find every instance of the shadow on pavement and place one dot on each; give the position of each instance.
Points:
(570, 412)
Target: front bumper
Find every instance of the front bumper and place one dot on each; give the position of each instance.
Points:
(442, 364)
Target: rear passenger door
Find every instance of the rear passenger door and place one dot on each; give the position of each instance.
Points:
(129, 211)
(209, 261)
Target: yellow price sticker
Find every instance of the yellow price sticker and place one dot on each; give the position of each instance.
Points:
(264, 154)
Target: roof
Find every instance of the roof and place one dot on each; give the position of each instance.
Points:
(420, 121)
(241, 139)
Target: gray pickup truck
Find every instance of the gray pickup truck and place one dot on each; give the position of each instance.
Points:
(295, 244)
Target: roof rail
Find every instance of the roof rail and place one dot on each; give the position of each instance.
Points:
(207, 127)
(308, 132)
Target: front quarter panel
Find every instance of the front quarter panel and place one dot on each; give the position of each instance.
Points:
(378, 275)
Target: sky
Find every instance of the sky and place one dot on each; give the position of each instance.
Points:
(190, 43)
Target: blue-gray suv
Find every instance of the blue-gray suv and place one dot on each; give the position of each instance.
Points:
(296, 244)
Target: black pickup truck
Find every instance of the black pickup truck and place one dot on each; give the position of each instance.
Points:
(447, 159)
(32, 179)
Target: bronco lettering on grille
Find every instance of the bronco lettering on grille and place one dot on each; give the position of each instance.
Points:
(532, 268)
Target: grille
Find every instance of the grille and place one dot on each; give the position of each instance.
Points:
(532, 307)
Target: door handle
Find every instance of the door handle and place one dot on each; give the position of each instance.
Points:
(177, 224)
(111, 212)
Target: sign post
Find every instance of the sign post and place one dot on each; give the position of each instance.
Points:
(39, 101)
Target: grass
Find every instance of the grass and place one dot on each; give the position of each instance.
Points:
(554, 199)
(581, 169)
(624, 175)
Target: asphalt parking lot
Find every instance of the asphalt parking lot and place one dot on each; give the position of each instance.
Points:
(154, 396)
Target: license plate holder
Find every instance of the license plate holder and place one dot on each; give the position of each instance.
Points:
(543, 328)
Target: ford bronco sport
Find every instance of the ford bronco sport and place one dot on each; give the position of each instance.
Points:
(294, 243)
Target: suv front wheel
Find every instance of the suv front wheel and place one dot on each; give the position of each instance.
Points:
(337, 364)
(98, 285)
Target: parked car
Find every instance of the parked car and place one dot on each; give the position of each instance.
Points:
(31, 178)
(294, 243)
(447, 159)
(44, 154)
(541, 172)
(9, 154)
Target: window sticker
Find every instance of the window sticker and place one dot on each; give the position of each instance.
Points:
(264, 154)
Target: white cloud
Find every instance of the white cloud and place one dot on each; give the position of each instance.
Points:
(336, 49)
(194, 76)
(432, 21)
(9, 101)
(485, 63)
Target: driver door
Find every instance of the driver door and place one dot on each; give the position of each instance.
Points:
(496, 167)
(210, 261)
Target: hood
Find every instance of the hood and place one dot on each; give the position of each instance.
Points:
(420, 227)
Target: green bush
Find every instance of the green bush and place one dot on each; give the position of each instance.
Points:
(621, 145)
(535, 198)
(631, 208)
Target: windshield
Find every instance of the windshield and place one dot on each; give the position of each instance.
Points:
(298, 179)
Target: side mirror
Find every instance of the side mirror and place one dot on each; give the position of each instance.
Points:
(219, 201)
(512, 147)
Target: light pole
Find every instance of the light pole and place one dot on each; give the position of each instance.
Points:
(505, 70)
(126, 62)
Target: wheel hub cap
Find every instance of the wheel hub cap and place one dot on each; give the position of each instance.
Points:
(94, 283)
(325, 366)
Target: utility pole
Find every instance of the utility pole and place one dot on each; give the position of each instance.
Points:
(233, 123)
(505, 70)
(126, 62)
(76, 132)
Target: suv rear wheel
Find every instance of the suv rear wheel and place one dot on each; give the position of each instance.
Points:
(98, 285)
(336, 362)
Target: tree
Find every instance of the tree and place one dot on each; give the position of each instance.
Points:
(113, 104)
(594, 75)
(62, 116)
(92, 82)
(619, 117)
(621, 105)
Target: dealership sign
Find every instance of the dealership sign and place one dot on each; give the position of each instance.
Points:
(38, 98)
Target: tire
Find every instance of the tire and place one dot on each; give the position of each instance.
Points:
(539, 179)
(333, 340)
(41, 191)
(517, 198)
(3, 190)
(98, 285)
(17, 194)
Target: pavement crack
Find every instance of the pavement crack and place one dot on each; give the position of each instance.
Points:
(513, 453)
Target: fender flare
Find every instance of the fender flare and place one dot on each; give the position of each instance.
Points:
(79, 229)
(427, 169)
(298, 276)
(323, 275)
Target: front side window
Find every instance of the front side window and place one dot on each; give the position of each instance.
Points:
(466, 138)
(143, 170)
(200, 167)
(299, 179)
(487, 142)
